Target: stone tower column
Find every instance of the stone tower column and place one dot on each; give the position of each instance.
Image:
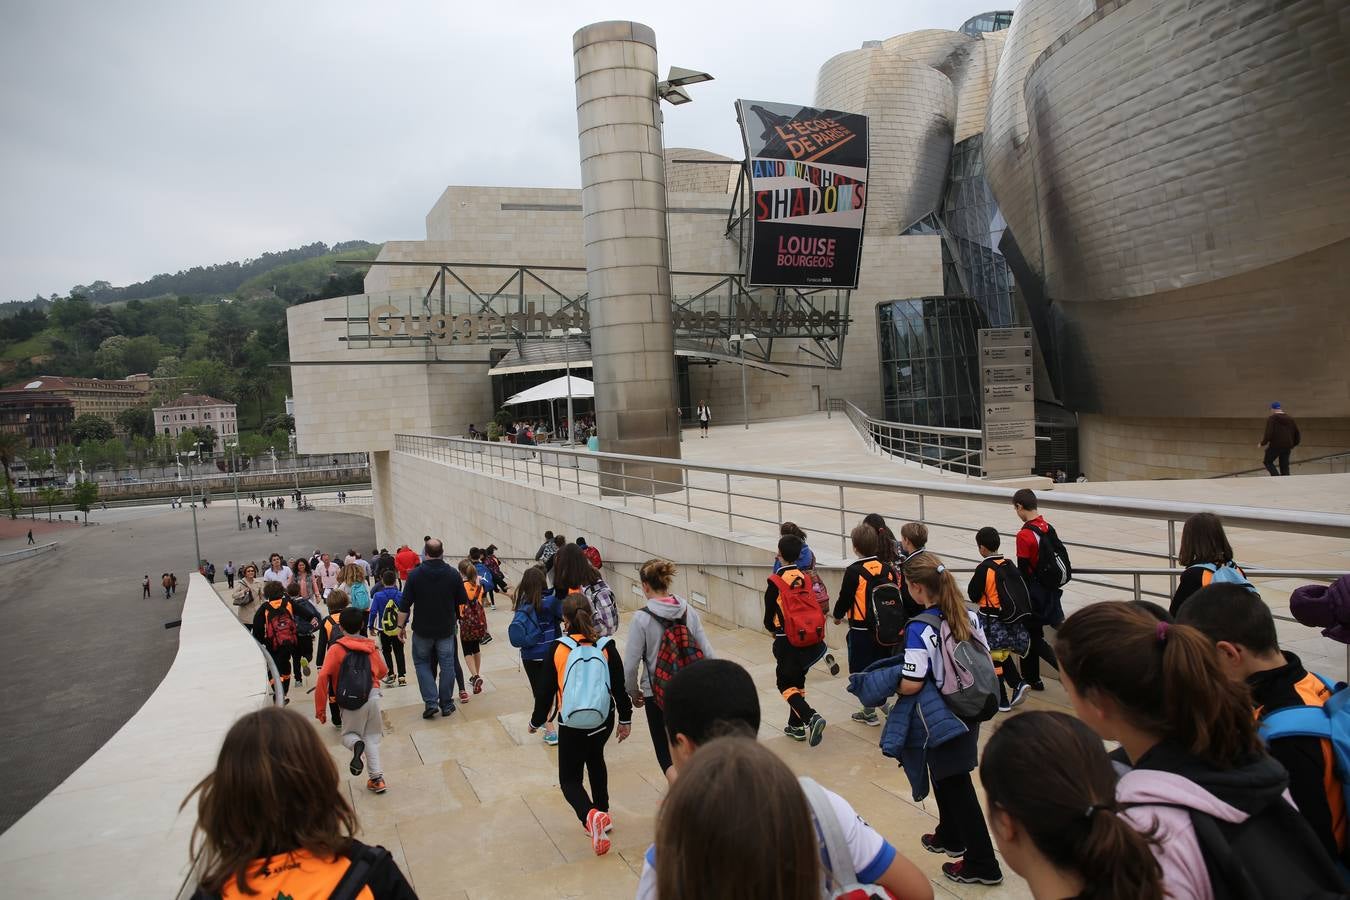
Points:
(623, 206)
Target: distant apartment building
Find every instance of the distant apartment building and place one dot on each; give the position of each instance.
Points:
(92, 396)
(195, 411)
(41, 417)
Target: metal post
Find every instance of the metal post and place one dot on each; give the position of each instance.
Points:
(843, 536)
(778, 483)
(921, 510)
(745, 395)
(238, 518)
(1172, 551)
(567, 352)
(730, 520)
(689, 513)
(1138, 593)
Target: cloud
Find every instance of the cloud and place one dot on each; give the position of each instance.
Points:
(145, 137)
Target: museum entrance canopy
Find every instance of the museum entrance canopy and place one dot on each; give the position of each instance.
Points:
(531, 305)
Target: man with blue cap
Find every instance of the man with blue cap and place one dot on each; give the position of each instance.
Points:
(1280, 438)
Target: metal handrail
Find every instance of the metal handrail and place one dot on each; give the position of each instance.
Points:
(1327, 457)
(958, 450)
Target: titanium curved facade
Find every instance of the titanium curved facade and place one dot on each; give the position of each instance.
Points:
(1181, 216)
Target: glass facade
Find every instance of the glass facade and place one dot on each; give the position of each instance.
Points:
(987, 22)
(974, 226)
(929, 367)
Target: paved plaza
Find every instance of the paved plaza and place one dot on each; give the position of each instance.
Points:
(85, 649)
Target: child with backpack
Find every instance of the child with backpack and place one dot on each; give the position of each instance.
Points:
(533, 628)
(868, 584)
(485, 579)
(1282, 692)
(306, 623)
(351, 674)
(573, 572)
(352, 579)
(998, 590)
(1201, 783)
(1053, 811)
(664, 637)
(583, 675)
(275, 628)
(494, 566)
(472, 625)
(383, 620)
(1044, 564)
(794, 618)
(274, 820)
(1207, 556)
(935, 641)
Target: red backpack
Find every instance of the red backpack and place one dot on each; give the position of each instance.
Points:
(677, 650)
(803, 622)
(592, 556)
(280, 629)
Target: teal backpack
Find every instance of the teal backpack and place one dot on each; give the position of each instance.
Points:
(360, 595)
(1328, 722)
(584, 682)
(1228, 573)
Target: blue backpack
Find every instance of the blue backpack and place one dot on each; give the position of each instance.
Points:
(485, 577)
(525, 631)
(1228, 573)
(360, 595)
(1328, 722)
(584, 685)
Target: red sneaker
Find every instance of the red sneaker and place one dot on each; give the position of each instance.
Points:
(597, 823)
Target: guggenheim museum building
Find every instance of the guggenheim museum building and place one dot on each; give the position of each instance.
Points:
(1159, 189)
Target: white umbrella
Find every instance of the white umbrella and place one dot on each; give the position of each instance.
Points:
(554, 390)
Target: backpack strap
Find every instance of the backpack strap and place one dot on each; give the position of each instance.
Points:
(930, 618)
(364, 859)
(1295, 721)
(839, 861)
(603, 643)
(566, 641)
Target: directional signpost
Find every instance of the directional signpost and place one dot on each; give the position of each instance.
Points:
(1009, 408)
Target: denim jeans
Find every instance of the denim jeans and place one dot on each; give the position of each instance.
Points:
(441, 696)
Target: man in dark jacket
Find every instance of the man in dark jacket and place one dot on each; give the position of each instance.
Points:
(433, 595)
(1280, 438)
(1241, 626)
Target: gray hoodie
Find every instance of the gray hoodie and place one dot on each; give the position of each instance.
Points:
(645, 631)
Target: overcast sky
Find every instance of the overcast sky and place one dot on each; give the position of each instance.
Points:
(138, 138)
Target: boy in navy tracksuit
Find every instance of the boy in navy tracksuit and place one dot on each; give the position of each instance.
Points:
(390, 645)
(855, 602)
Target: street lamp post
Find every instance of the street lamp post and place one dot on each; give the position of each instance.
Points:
(234, 467)
(566, 334)
(739, 340)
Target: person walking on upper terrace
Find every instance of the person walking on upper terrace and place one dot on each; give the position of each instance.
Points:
(1280, 439)
(704, 413)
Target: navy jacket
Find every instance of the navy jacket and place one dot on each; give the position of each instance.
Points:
(916, 724)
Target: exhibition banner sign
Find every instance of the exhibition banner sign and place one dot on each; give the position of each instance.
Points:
(808, 194)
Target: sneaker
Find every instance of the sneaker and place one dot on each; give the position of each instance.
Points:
(885, 710)
(357, 764)
(831, 664)
(1003, 706)
(487, 638)
(596, 820)
(866, 717)
(1020, 694)
(551, 738)
(478, 684)
(402, 681)
(930, 843)
(304, 667)
(609, 826)
(817, 728)
(429, 712)
(447, 711)
(463, 696)
(796, 732)
(376, 784)
(1035, 685)
(962, 874)
(388, 680)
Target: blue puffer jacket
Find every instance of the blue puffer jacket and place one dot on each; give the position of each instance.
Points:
(916, 723)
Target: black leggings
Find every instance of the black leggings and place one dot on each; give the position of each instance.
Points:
(656, 724)
(534, 670)
(1040, 649)
(581, 753)
(392, 648)
(961, 821)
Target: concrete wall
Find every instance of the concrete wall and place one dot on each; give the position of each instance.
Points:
(1136, 449)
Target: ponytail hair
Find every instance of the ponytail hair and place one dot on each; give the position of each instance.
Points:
(577, 611)
(1166, 679)
(658, 574)
(1048, 771)
(886, 550)
(468, 571)
(927, 570)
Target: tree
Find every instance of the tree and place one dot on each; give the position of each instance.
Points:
(169, 367)
(143, 353)
(204, 439)
(137, 421)
(110, 359)
(211, 377)
(51, 495)
(114, 453)
(186, 441)
(11, 445)
(282, 423)
(38, 460)
(84, 496)
(140, 451)
(256, 385)
(252, 445)
(89, 427)
(67, 458)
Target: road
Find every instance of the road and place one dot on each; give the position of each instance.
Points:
(86, 651)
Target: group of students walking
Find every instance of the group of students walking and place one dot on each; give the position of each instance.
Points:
(1193, 802)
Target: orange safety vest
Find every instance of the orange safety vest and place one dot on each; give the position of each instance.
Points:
(1313, 692)
(299, 875)
(877, 569)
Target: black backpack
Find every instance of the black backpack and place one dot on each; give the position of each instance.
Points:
(365, 861)
(354, 680)
(1053, 569)
(889, 609)
(1014, 600)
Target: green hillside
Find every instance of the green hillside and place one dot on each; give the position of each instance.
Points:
(319, 275)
